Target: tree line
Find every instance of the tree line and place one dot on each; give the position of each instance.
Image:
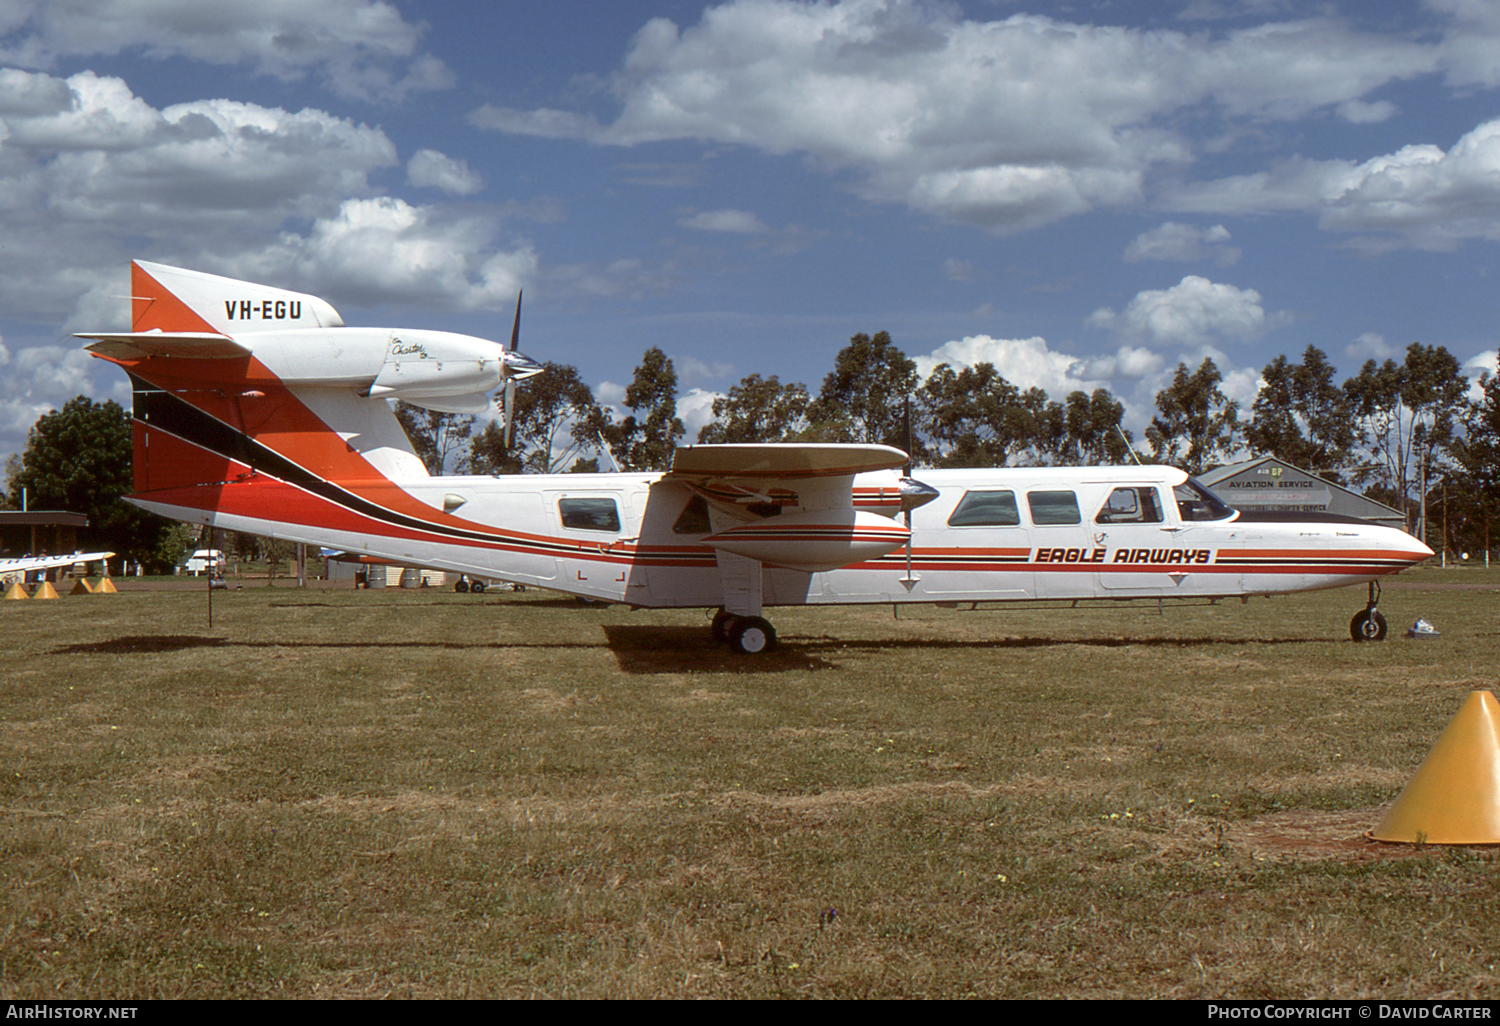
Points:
(1394, 431)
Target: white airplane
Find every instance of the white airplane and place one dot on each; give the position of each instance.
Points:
(15, 568)
(256, 410)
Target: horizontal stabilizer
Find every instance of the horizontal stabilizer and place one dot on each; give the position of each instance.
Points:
(140, 345)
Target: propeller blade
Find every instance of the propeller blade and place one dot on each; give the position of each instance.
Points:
(515, 329)
(509, 408)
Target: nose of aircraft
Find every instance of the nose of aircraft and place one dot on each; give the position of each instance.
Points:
(1412, 549)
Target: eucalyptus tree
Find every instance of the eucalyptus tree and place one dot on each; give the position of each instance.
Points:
(1302, 417)
(646, 437)
(1409, 416)
(555, 424)
(758, 410)
(1198, 424)
(865, 398)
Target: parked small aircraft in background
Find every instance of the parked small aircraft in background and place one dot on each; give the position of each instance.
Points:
(16, 568)
(256, 410)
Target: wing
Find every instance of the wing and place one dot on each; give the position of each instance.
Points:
(791, 505)
(26, 564)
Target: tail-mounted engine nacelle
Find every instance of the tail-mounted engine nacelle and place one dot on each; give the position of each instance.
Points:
(438, 370)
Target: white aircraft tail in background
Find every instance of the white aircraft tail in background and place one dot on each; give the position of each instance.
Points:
(256, 409)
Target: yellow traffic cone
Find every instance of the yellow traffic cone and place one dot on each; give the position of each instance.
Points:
(81, 587)
(1455, 796)
(105, 587)
(17, 591)
(45, 591)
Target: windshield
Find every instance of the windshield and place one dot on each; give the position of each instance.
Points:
(1195, 502)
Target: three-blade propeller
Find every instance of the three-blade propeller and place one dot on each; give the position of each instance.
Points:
(517, 367)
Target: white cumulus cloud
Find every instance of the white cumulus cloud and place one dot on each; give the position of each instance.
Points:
(1008, 124)
(1190, 313)
(1183, 243)
(431, 169)
(359, 48)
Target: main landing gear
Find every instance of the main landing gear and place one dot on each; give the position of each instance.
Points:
(463, 584)
(1368, 624)
(750, 635)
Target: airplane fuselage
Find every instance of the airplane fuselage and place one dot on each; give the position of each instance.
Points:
(631, 538)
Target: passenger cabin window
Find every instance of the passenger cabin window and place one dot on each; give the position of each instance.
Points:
(986, 509)
(590, 514)
(1130, 506)
(1195, 502)
(1053, 508)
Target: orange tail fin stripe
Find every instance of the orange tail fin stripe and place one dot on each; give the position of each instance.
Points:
(153, 306)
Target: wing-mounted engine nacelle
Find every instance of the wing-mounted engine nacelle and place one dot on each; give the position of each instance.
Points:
(814, 541)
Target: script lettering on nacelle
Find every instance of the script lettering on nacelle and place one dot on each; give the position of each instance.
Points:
(400, 348)
(270, 310)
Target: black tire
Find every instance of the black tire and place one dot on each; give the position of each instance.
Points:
(461, 586)
(1367, 625)
(723, 623)
(752, 635)
(477, 587)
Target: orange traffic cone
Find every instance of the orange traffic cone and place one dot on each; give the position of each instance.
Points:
(17, 591)
(45, 591)
(105, 587)
(81, 587)
(1455, 796)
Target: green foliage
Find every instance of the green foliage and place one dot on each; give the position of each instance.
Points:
(1198, 425)
(758, 410)
(1302, 417)
(440, 439)
(1408, 415)
(974, 417)
(647, 436)
(78, 459)
(555, 417)
(864, 399)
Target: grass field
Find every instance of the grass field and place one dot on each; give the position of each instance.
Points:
(367, 794)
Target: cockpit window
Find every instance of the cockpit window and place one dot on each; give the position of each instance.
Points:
(590, 514)
(1053, 508)
(986, 509)
(1195, 502)
(1131, 506)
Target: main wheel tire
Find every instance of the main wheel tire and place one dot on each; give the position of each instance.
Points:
(461, 586)
(752, 635)
(720, 628)
(1367, 625)
(477, 587)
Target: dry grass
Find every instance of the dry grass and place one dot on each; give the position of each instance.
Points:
(341, 794)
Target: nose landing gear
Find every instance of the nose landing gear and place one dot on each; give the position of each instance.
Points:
(1368, 624)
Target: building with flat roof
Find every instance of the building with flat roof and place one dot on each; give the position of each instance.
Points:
(39, 532)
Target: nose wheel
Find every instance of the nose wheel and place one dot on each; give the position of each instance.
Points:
(1368, 624)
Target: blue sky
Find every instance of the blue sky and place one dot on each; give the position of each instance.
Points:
(1082, 193)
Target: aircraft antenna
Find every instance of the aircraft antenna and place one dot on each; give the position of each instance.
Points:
(1128, 447)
